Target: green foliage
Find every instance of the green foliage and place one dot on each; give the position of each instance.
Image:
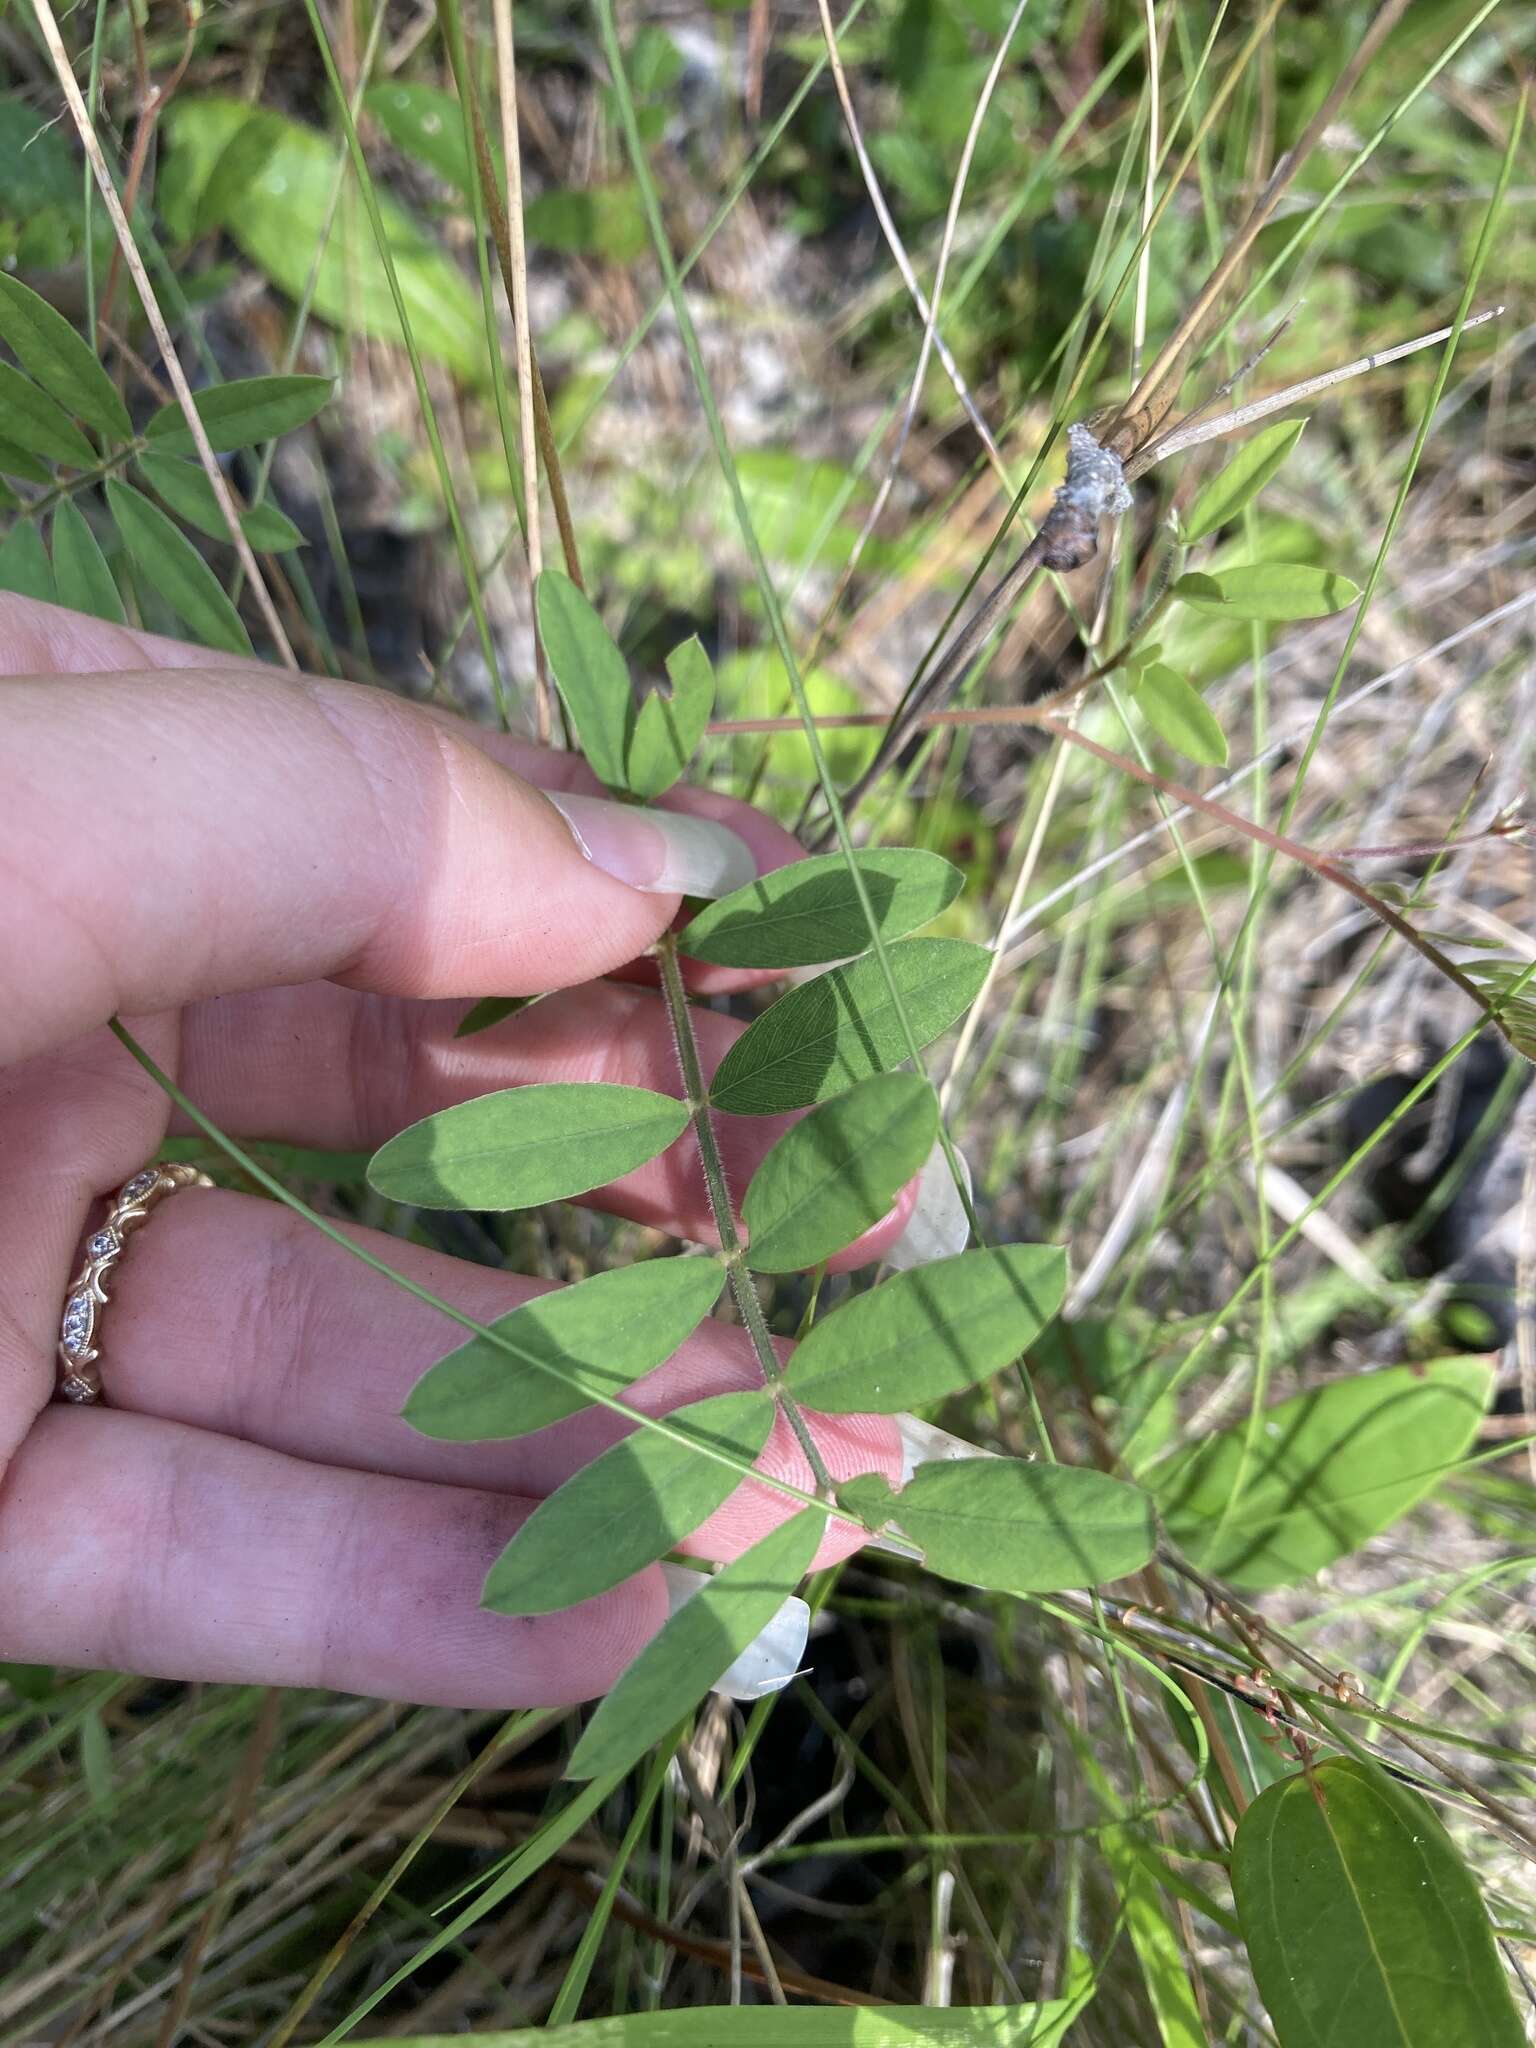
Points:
(700, 1642)
(80, 569)
(1012, 1527)
(183, 486)
(1037, 2024)
(1267, 590)
(270, 184)
(1361, 1921)
(630, 1506)
(590, 674)
(837, 1172)
(928, 1333)
(1327, 1470)
(1178, 714)
(24, 565)
(1242, 479)
(822, 1037)
(31, 420)
(426, 124)
(523, 1146)
(45, 344)
(577, 1342)
(169, 564)
(668, 728)
(809, 912)
(241, 413)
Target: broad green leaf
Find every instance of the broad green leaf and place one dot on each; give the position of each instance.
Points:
(239, 414)
(808, 912)
(190, 496)
(1009, 1526)
(274, 197)
(1363, 1925)
(1242, 479)
(80, 569)
(1178, 713)
(1041, 2024)
(1330, 1469)
(927, 1333)
(24, 564)
(608, 220)
(630, 1506)
(523, 1146)
(17, 462)
(667, 729)
(838, 1171)
(167, 560)
(43, 342)
(700, 1642)
(590, 674)
(488, 1011)
(593, 1338)
(426, 124)
(1267, 590)
(30, 419)
(842, 1027)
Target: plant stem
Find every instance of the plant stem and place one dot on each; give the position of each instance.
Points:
(731, 1252)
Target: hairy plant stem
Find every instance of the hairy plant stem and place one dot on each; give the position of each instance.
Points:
(731, 1252)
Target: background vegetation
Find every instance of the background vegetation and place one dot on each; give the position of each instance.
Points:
(1280, 1150)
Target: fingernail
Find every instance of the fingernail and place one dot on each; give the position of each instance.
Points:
(938, 1226)
(924, 1443)
(663, 853)
(770, 1660)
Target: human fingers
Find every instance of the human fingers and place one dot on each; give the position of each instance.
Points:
(229, 830)
(44, 639)
(237, 1318)
(129, 1543)
(328, 1067)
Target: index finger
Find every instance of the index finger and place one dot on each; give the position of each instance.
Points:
(227, 828)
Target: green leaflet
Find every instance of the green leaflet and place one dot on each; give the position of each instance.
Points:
(1242, 478)
(1363, 1924)
(189, 494)
(590, 674)
(630, 1506)
(838, 1171)
(1267, 590)
(17, 462)
(801, 915)
(700, 1642)
(1329, 1470)
(1178, 713)
(269, 183)
(239, 414)
(24, 565)
(45, 344)
(167, 561)
(80, 568)
(668, 729)
(595, 1337)
(523, 1146)
(488, 1011)
(819, 1039)
(30, 419)
(1037, 2025)
(426, 124)
(930, 1332)
(1012, 1527)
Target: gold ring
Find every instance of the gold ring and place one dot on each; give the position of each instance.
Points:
(79, 1379)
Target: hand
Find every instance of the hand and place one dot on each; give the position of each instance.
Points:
(288, 888)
